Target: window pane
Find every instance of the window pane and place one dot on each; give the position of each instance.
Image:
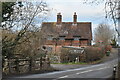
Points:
(62, 38)
(49, 38)
(76, 38)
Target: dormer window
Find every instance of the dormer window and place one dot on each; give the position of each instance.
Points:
(76, 37)
(62, 37)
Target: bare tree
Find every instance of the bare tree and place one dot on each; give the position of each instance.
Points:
(103, 33)
(111, 8)
(24, 19)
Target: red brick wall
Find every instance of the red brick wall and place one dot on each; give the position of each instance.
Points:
(84, 42)
(60, 43)
(76, 43)
(67, 42)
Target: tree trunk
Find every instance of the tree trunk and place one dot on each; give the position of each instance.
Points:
(30, 65)
(17, 65)
(9, 65)
(118, 64)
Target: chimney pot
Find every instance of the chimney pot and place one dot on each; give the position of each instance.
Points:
(59, 18)
(59, 13)
(74, 13)
(75, 18)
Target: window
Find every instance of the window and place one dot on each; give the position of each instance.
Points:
(76, 38)
(49, 37)
(62, 38)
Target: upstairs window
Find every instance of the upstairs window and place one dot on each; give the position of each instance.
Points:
(76, 38)
(62, 37)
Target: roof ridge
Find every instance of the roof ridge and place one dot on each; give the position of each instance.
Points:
(67, 22)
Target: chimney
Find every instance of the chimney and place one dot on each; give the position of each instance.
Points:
(59, 18)
(75, 18)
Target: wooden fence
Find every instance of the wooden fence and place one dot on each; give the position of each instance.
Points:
(16, 65)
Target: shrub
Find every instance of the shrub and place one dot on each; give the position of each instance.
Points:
(54, 57)
(108, 48)
(94, 53)
(67, 56)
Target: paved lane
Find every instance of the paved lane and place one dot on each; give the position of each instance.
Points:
(104, 70)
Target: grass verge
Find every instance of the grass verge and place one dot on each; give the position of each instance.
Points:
(81, 63)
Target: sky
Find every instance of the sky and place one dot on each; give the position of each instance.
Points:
(85, 12)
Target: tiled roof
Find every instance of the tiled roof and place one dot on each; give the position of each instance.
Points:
(68, 29)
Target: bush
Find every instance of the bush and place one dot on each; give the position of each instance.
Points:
(54, 57)
(67, 56)
(94, 53)
(91, 53)
(108, 48)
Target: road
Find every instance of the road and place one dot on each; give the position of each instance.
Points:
(103, 70)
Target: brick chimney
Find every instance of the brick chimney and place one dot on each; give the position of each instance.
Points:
(75, 18)
(59, 18)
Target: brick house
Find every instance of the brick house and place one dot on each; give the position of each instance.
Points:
(58, 34)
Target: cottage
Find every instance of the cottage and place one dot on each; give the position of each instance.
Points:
(58, 34)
